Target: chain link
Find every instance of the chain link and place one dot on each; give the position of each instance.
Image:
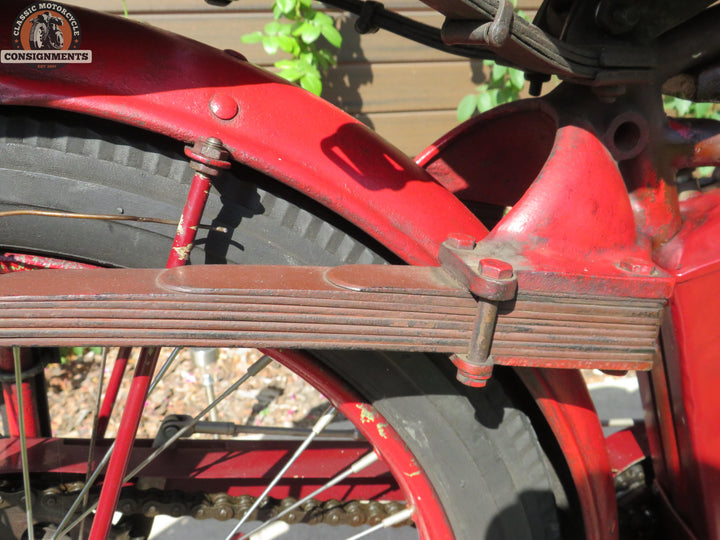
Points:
(52, 503)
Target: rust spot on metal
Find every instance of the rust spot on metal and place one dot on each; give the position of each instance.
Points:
(367, 413)
(183, 252)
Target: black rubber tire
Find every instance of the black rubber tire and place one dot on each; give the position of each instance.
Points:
(478, 448)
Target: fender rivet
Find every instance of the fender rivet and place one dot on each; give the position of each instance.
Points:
(223, 106)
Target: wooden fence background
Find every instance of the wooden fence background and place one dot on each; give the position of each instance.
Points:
(406, 92)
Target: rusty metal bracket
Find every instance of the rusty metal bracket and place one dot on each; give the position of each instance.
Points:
(491, 281)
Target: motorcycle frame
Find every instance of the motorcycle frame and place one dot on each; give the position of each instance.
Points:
(198, 91)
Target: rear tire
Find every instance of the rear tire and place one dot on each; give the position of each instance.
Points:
(477, 446)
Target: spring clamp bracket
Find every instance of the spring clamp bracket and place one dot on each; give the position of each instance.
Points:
(491, 281)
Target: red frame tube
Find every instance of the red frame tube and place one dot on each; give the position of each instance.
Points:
(110, 493)
(111, 392)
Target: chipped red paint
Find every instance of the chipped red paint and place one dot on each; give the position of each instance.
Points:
(430, 520)
(10, 394)
(189, 221)
(16, 262)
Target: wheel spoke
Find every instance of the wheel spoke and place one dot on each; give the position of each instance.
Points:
(252, 371)
(94, 434)
(359, 465)
(82, 496)
(319, 426)
(23, 443)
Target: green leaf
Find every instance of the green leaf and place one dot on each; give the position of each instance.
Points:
(254, 37)
(284, 29)
(277, 11)
(498, 72)
(306, 3)
(270, 44)
(506, 95)
(288, 44)
(705, 171)
(311, 83)
(682, 106)
(310, 33)
(285, 64)
(322, 19)
(271, 28)
(467, 107)
(485, 101)
(332, 35)
(326, 58)
(286, 6)
(517, 78)
(291, 74)
(701, 109)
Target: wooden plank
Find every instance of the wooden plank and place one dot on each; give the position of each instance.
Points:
(411, 132)
(225, 32)
(400, 87)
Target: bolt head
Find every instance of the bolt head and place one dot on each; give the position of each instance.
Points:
(460, 241)
(495, 269)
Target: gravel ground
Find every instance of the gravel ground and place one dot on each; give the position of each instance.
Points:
(276, 397)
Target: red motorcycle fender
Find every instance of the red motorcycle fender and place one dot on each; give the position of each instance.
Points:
(186, 90)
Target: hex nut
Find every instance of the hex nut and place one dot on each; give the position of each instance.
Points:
(460, 241)
(495, 269)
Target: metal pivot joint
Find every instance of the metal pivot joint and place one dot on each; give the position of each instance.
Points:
(491, 281)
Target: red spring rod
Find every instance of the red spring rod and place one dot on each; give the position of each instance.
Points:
(111, 393)
(110, 492)
(208, 156)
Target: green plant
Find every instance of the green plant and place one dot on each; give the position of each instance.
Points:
(504, 85)
(675, 106)
(299, 38)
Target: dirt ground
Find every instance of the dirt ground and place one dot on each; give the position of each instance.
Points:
(276, 397)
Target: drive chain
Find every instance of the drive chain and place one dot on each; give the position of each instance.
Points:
(52, 503)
